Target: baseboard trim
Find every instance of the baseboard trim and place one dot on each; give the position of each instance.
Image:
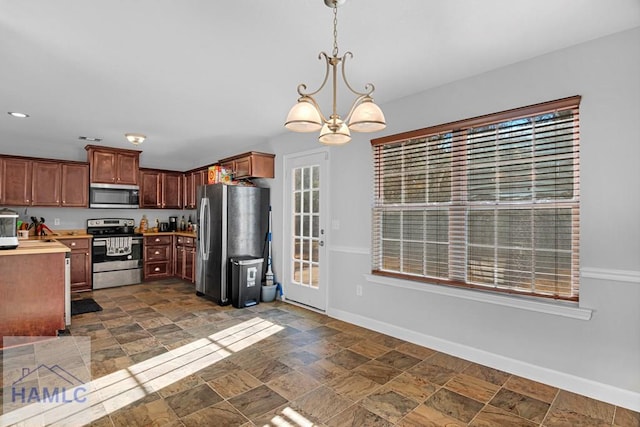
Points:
(604, 392)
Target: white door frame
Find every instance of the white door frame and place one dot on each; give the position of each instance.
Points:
(287, 225)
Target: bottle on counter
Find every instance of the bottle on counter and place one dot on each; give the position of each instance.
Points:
(183, 224)
(144, 224)
(157, 227)
(189, 225)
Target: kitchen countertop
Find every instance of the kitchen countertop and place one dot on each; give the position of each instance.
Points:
(63, 236)
(37, 245)
(170, 233)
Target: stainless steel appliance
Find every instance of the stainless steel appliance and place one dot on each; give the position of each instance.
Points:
(116, 252)
(119, 196)
(173, 223)
(8, 229)
(233, 221)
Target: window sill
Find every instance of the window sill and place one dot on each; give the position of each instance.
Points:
(556, 308)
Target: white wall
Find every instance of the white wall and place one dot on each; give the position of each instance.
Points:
(599, 357)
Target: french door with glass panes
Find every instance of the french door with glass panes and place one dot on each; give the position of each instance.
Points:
(305, 207)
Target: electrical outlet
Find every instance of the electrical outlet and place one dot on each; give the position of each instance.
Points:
(56, 221)
(359, 290)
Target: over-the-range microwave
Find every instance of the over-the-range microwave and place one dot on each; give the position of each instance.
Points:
(111, 196)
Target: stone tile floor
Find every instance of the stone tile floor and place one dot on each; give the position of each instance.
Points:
(195, 363)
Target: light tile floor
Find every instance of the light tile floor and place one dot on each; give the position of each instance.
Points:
(277, 364)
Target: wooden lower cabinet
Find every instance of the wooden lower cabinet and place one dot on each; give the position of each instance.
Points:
(158, 257)
(80, 263)
(185, 258)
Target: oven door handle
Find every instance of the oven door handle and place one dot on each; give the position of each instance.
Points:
(204, 229)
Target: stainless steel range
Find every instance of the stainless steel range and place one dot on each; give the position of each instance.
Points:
(116, 252)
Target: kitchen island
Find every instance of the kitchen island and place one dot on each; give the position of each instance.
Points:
(32, 289)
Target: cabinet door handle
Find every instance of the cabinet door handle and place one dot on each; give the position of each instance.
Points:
(157, 252)
(157, 239)
(73, 243)
(156, 269)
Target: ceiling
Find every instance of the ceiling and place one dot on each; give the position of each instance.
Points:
(206, 79)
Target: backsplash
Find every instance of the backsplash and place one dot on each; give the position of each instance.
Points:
(76, 218)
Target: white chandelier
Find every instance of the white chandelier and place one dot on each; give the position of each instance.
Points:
(364, 115)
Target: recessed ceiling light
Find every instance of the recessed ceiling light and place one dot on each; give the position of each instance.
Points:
(90, 138)
(17, 115)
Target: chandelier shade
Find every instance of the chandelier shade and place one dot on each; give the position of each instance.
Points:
(363, 116)
(335, 134)
(367, 117)
(303, 117)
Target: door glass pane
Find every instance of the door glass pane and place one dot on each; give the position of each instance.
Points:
(306, 178)
(306, 228)
(305, 202)
(297, 178)
(298, 202)
(315, 183)
(315, 228)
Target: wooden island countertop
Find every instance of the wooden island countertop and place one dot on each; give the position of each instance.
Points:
(45, 245)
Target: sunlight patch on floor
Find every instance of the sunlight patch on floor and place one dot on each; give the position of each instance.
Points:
(124, 387)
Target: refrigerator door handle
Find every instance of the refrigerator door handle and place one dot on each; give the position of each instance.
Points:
(205, 230)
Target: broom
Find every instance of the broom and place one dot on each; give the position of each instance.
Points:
(268, 278)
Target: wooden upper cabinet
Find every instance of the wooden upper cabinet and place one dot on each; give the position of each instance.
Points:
(45, 184)
(172, 190)
(127, 168)
(192, 180)
(26, 181)
(150, 195)
(15, 182)
(160, 189)
(113, 166)
(75, 185)
(250, 165)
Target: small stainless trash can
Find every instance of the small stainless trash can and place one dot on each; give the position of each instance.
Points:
(246, 279)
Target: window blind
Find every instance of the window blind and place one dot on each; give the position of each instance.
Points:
(490, 202)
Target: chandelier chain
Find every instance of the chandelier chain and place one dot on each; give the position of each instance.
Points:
(335, 29)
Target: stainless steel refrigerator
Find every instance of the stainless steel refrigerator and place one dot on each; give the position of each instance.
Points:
(233, 221)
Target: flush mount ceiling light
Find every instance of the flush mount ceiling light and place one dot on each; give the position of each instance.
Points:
(135, 138)
(364, 115)
(17, 115)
